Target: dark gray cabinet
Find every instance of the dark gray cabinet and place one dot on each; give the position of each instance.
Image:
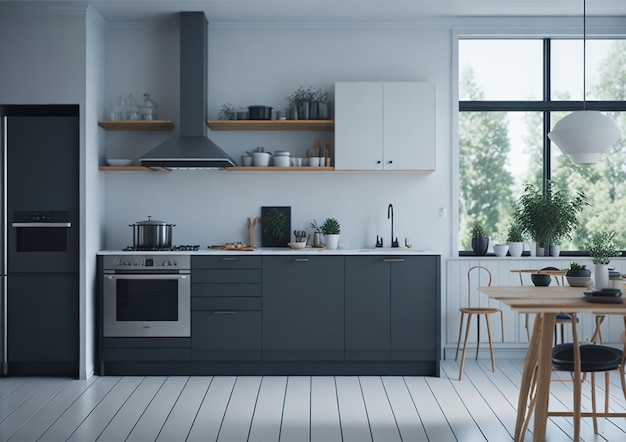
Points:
(392, 308)
(303, 307)
(226, 308)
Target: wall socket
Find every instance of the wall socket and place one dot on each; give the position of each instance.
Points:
(442, 212)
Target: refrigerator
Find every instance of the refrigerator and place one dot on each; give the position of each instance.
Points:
(39, 240)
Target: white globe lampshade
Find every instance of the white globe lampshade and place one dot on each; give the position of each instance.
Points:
(584, 135)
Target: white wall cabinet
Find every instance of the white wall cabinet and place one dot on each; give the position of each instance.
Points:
(385, 126)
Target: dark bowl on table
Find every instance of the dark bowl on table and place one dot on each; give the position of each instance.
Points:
(541, 279)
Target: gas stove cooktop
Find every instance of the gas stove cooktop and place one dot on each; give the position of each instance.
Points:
(182, 248)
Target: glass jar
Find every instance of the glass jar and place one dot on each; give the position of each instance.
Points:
(149, 110)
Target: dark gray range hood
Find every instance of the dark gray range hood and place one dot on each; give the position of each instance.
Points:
(192, 149)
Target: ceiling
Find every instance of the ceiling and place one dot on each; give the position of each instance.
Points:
(335, 11)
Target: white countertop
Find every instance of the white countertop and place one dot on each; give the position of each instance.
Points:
(282, 251)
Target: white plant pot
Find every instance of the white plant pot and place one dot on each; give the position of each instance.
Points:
(332, 241)
(501, 249)
(516, 248)
(555, 250)
(601, 277)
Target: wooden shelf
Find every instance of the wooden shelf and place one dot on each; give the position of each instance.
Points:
(278, 169)
(131, 169)
(311, 125)
(136, 124)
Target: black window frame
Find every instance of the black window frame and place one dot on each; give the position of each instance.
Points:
(546, 107)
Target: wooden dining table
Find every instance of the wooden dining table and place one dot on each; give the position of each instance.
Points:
(546, 303)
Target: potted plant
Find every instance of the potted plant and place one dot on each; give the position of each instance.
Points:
(480, 241)
(515, 239)
(500, 249)
(227, 112)
(578, 275)
(301, 99)
(548, 218)
(331, 230)
(602, 248)
(319, 106)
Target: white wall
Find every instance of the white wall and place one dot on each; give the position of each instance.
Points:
(263, 65)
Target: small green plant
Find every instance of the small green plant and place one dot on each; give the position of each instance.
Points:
(478, 231)
(575, 266)
(602, 247)
(227, 111)
(275, 223)
(314, 226)
(330, 226)
(320, 95)
(515, 233)
(301, 94)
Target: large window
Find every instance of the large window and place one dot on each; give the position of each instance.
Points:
(511, 93)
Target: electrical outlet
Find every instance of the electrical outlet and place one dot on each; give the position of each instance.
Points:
(442, 212)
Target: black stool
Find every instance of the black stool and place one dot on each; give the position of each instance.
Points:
(592, 359)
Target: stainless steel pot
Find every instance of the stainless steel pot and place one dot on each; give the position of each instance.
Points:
(152, 234)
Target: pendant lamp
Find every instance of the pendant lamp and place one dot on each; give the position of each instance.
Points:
(584, 135)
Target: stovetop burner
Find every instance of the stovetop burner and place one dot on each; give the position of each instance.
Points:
(182, 248)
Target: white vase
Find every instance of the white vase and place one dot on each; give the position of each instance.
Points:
(601, 276)
(516, 248)
(555, 250)
(501, 249)
(332, 241)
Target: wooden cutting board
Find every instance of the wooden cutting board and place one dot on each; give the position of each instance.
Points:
(233, 248)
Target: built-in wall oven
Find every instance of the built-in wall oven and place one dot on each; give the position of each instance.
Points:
(147, 295)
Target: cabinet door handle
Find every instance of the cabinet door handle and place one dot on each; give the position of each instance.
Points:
(378, 162)
(390, 162)
(225, 312)
(229, 259)
(302, 259)
(393, 260)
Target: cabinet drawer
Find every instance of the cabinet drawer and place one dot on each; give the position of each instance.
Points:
(216, 276)
(226, 289)
(232, 335)
(146, 342)
(225, 262)
(146, 354)
(226, 303)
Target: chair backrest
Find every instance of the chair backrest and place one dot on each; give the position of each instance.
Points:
(476, 270)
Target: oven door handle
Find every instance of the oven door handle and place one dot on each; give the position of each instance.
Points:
(147, 276)
(41, 225)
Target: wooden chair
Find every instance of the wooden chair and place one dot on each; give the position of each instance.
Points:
(560, 319)
(470, 311)
(580, 359)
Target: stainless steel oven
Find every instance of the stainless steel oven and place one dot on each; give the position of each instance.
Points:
(146, 295)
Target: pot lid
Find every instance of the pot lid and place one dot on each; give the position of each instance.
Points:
(151, 222)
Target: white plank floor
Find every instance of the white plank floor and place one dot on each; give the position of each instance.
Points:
(481, 407)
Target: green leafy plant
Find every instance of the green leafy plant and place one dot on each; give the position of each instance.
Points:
(275, 223)
(301, 94)
(602, 247)
(330, 226)
(551, 217)
(477, 229)
(226, 112)
(320, 95)
(515, 233)
(575, 266)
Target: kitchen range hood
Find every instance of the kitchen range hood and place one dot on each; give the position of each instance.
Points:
(191, 149)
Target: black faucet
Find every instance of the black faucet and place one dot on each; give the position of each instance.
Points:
(394, 243)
